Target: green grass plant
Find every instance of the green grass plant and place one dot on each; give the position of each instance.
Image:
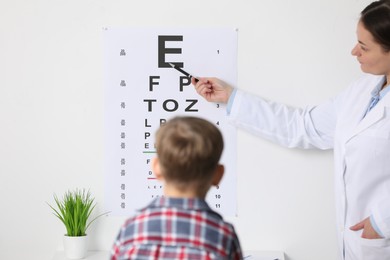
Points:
(74, 211)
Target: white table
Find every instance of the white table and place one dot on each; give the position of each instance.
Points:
(263, 255)
(248, 255)
(91, 255)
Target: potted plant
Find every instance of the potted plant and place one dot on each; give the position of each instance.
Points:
(74, 211)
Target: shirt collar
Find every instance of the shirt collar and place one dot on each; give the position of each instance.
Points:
(180, 203)
(377, 90)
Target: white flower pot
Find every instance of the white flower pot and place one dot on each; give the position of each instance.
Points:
(75, 247)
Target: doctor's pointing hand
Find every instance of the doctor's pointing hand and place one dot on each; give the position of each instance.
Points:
(355, 124)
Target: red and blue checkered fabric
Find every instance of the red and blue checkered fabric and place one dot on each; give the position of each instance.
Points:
(176, 228)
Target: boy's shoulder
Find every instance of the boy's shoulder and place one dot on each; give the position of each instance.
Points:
(184, 210)
(165, 207)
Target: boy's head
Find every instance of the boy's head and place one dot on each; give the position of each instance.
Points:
(188, 153)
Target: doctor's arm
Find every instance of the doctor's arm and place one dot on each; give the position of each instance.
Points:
(309, 127)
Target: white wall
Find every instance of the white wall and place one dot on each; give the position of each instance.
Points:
(51, 113)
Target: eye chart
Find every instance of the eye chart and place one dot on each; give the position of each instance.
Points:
(143, 91)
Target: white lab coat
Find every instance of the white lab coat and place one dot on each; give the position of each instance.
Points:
(361, 154)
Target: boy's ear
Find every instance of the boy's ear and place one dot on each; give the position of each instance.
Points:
(156, 168)
(218, 174)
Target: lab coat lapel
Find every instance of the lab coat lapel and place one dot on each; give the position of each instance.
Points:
(376, 114)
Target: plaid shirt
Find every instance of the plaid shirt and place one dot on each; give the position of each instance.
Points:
(176, 228)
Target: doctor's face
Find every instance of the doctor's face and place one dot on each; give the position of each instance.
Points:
(371, 56)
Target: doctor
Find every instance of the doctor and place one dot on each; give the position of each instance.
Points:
(356, 124)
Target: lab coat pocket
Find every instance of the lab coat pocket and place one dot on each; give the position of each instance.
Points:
(375, 249)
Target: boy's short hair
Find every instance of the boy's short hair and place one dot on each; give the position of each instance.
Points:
(189, 150)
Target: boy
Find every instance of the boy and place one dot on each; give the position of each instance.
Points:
(180, 225)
